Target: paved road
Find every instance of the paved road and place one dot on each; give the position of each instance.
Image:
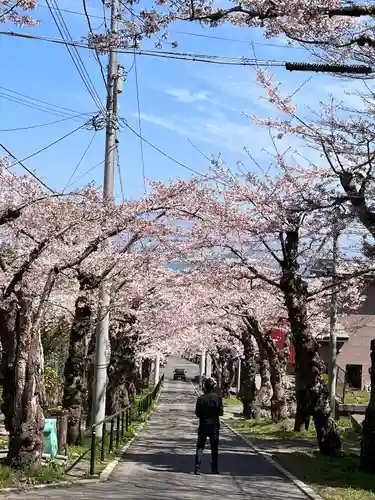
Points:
(159, 465)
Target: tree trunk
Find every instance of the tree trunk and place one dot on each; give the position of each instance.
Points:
(89, 378)
(248, 374)
(122, 369)
(264, 396)
(75, 388)
(23, 391)
(146, 372)
(367, 462)
(276, 364)
(311, 390)
(278, 394)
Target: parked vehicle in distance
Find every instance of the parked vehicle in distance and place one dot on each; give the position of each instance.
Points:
(179, 374)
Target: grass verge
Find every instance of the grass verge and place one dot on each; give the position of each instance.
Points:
(357, 397)
(334, 479)
(49, 473)
(231, 400)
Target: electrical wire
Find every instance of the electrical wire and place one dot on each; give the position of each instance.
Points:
(162, 152)
(117, 152)
(236, 40)
(95, 50)
(44, 106)
(80, 161)
(39, 125)
(27, 169)
(31, 105)
(211, 59)
(63, 29)
(140, 126)
(139, 117)
(85, 173)
(212, 37)
(74, 55)
(46, 147)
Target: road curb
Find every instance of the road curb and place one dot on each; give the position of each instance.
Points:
(297, 482)
(103, 476)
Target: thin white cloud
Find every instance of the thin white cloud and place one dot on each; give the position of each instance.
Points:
(185, 96)
(214, 129)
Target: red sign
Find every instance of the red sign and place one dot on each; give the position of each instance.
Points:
(278, 336)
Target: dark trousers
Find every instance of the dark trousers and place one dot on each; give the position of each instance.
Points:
(211, 432)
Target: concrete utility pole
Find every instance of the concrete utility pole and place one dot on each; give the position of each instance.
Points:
(202, 365)
(238, 374)
(332, 372)
(102, 345)
(157, 369)
(208, 365)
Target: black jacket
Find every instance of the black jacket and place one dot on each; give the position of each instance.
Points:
(208, 409)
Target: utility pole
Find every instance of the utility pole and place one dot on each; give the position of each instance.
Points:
(202, 364)
(157, 369)
(332, 371)
(208, 365)
(238, 375)
(102, 345)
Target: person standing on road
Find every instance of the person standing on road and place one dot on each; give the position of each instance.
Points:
(209, 409)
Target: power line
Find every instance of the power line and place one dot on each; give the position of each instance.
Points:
(85, 173)
(117, 152)
(183, 56)
(236, 40)
(80, 161)
(27, 169)
(201, 35)
(39, 125)
(30, 105)
(139, 118)
(230, 61)
(74, 55)
(140, 125)
(95, 50)
(162, 152)
(214, 59)
(46, 147)
(43, 106)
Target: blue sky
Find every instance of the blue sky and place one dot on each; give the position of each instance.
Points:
(179, 100)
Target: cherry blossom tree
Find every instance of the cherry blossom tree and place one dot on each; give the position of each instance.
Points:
(272, 216)
(48, 238)
(13, 11)
(337, 30)
(342, 134)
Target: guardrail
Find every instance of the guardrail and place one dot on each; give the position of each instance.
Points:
(118, 424)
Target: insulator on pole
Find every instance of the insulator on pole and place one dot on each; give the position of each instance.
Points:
(329, 68)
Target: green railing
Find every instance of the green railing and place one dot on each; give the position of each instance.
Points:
(118, 424)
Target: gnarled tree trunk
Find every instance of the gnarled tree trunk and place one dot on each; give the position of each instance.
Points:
(23, 388)
(367, 462)
(122, 370)
(224, 370)
(311, 390)
(248, 373)
(277, 366)
(264, 395)
(75, 373)
(146, 372)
